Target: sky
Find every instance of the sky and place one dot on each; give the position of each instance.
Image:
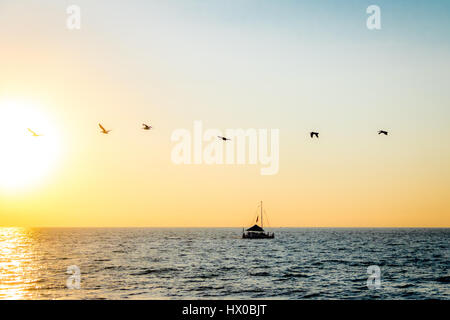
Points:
(296, 66)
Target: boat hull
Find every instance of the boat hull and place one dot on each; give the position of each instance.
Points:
(258, 235)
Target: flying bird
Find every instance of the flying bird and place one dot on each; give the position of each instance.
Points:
(146, 127)
(316, 134)
(34, 133)
(104, 131)
(223, 138)
(383, 132)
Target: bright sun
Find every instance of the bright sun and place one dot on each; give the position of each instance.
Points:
(25, 159)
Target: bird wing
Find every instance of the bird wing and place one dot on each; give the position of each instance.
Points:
(32, 131)
(101, 127)
(311, 134)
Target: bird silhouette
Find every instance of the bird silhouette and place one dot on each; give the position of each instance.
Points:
(104, 131)
(34, 133)
(316, 134)
(383, 132)
(223, 138)
(146, 127)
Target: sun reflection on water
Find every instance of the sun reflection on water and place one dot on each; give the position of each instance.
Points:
(16, 263)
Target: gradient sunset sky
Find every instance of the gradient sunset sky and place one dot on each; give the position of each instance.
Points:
(296, 66)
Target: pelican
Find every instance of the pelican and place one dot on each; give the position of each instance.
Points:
(316, 134)
(146, 127)
(383, 132)
(104, 131)
(34, 133)
(223, 138)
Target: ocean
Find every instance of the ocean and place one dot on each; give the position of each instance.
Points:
(215, 263)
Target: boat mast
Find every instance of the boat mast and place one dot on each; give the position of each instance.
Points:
(261, 216)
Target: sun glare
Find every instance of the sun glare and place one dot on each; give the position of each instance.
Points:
(29, 144)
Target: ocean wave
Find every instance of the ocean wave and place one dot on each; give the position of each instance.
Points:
(157, 271)
(260, 274)
(295, 275)
(445, 279)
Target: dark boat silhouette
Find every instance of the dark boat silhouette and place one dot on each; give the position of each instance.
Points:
(257, 232)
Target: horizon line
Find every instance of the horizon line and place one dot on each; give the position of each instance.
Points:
(214, 227)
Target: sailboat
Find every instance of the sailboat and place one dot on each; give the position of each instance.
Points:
(257, 232)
